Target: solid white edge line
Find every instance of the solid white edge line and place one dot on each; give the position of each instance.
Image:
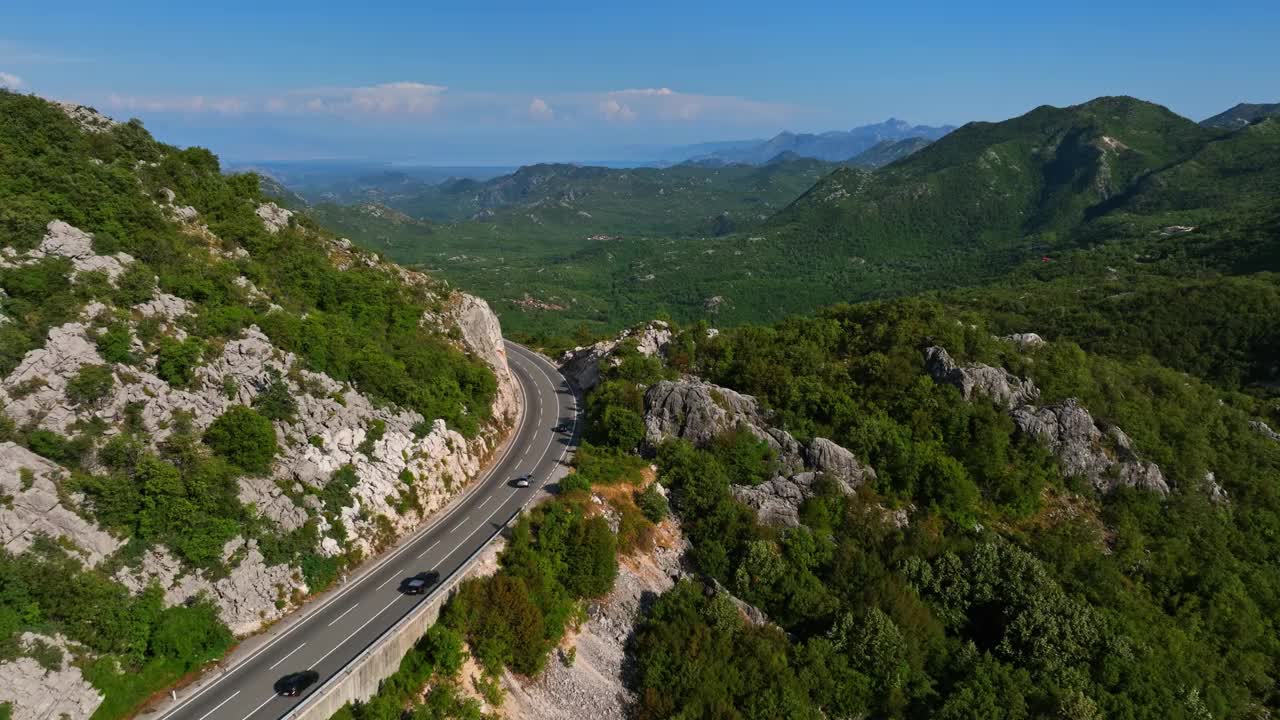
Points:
(344, 614)
(524, 418)
(215, 707)
(550, 442)
(286, 657)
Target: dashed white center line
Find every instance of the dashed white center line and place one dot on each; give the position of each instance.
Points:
(424, 552)
(264, 702)
(286, 657)
(215, 707)
(344, 614)
(353, 632)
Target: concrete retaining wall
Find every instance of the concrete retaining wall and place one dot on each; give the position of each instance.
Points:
(360, 679)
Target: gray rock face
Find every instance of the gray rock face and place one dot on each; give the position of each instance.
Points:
(482, 335)
(87, 118)
(1001, 386)
(1264, 430)
(837, 463)
(777, 501)
(1104, 456)
(697, 411)
(274, 218)
(36, 694)
(582, 365)
(1024, 341)
(29, 507)
(66, 241)
(246, 598)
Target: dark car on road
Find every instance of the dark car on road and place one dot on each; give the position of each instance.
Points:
(563, 427)
(420, 583)
(522, 481)
(293, 684)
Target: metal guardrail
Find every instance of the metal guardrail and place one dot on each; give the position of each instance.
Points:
(345, 671)
(408, 617)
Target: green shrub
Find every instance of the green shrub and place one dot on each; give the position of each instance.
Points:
(90, 384)
(653, 504)
(115, 344)
(176, 362)
(276, 400)
(245, 438)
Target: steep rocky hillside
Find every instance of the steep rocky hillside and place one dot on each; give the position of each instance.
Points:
(876, 527)
(210, 408)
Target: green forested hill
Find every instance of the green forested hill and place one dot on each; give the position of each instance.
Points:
(1241, 115)
(125, 435)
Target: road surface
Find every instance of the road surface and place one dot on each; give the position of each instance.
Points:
(353, 618)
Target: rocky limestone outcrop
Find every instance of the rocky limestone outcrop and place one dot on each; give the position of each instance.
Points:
(274, 218)
(405, 466)
(482, 335)
(1024, 341)
(66, 241)
(697, 411)
(251, 595)
(35, 693)
(87, 118)
(30, 507)
(582, 364)
(1001, 386)
(325, 435)
(63, 240)
(1264, 430)
(1102, 454)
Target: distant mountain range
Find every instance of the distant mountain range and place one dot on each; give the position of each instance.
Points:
(1242, 115)
(834, 146)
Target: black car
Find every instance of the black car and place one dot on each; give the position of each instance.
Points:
(563, 427)
(420, 583)
(292, 685)
(523, 481)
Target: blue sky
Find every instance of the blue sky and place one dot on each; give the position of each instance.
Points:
(499, 82)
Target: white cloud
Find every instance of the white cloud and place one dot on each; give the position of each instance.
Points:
(179, 104)
(11, 81)
(613, 110)
(417, 101)
(539, 109)
(386, 99)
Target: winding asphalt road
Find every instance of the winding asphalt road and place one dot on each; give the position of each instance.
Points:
(353, 618)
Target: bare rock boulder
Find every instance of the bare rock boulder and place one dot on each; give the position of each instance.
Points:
(29, 483)
(482, 335)
(34, 693)
(63, 240)
(1264, 430)
(582, 365)
(1001, 386)
(1103, 455)
(274, 218)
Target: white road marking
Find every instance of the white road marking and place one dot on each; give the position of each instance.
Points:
(215, 707)
(353, 632)
(525, 362)
(344, 614)
(408, 542)
(424, 552)
(286, 657)
(264, 702)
